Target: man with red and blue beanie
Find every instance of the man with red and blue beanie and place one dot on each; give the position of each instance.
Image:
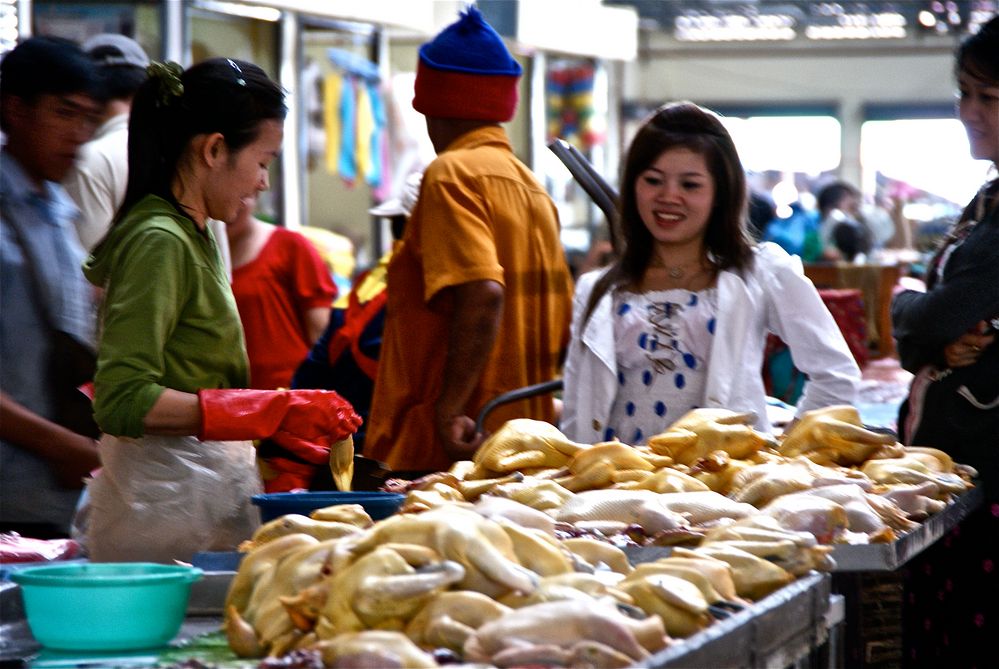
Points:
(481, 294)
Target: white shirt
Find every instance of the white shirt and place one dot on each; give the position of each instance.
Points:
(663, 352)
(97, 182)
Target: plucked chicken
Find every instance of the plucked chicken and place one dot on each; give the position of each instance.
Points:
(456, 533)
(523, 444)
(615, 510)
(528, 634)
(715, 429)
(833, 435)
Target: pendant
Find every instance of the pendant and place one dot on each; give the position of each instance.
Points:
(676, 272)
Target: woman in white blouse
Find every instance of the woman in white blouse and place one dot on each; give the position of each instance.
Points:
(680, 319)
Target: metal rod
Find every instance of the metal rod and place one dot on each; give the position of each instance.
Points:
(602, 193)
(604, 186)
(517, 394)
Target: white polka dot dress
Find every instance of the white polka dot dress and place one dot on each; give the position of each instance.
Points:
(663, 345)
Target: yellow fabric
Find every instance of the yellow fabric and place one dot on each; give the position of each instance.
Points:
(336, 250)
(373, 282)
(332, 87)
(481, 216)
(365, 128)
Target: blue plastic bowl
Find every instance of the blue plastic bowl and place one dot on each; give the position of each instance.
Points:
(378, 504)
(108, 606)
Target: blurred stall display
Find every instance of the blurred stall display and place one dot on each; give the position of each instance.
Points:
(569, 103)
(783, 20)
(876, 282)
(79, 20)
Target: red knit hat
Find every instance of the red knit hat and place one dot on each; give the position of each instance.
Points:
(466, 72)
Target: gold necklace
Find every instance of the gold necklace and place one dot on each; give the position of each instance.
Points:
(657, 280)
(675, 272)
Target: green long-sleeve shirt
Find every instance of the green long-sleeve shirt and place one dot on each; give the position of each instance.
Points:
(168, 319)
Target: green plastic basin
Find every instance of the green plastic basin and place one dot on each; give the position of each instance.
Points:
(107, 606)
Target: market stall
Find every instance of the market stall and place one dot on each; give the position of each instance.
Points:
(696, 549)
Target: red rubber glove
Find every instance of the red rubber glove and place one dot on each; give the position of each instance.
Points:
(284, 475)
(306, 422)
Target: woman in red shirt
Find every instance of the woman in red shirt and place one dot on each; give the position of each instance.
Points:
(283, 292)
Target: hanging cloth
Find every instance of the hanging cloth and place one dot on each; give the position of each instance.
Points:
(353, 64)
(555, 103)
(374, 176)
(579, 93)
(359, 156)
(569, 102)
(383, 189)
(347, 166)
(332, 87)
(365, 129)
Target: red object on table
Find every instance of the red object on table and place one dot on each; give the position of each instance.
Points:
(15, 548)
(847, 308)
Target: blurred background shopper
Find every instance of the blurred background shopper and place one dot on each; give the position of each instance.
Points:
(49, 107)
(98, 179)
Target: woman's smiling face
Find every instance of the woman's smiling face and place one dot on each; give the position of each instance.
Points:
(243, 174)
(675, 196)
(978, 108)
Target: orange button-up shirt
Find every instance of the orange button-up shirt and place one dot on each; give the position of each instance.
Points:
(481, 215)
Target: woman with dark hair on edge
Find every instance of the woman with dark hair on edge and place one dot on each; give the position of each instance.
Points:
(681, 318)
(171, 351)
(946, 337)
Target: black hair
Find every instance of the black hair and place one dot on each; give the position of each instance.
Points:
(397, 224)
(830, 196)
(122, 81)
(228, 96)
(47, 66)
(672, 126)
(978, 54)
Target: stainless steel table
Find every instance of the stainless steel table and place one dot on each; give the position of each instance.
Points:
(870, 579)
(789, 628)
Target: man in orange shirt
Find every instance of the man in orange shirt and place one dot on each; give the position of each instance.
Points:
(481, 294)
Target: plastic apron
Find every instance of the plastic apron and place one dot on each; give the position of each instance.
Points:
(162, 499)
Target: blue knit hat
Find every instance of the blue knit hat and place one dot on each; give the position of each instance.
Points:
(466, 72)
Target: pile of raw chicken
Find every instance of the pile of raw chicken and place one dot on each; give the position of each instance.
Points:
(519, 557)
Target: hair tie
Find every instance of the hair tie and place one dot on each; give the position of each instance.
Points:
(168, 83)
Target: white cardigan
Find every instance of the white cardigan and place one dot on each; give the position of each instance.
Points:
(773, 295)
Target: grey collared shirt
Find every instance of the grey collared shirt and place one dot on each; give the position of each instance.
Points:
(39, 223)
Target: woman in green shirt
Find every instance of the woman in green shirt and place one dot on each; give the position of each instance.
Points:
(178, 470)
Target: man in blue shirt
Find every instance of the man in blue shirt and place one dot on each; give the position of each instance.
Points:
(48, 108)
